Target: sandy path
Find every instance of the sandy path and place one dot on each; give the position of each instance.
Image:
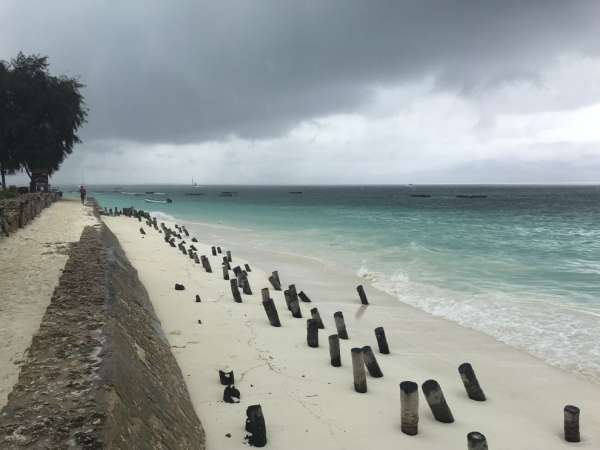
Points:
(309, 404)
(31, 261)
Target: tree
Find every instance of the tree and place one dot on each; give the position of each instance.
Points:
(43, 115)
(7, 164)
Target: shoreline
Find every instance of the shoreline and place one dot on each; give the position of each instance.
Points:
(296, 385)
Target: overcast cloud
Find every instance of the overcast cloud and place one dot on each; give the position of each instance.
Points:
(324, 91)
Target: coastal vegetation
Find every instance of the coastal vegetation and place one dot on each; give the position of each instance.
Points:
(40, 115)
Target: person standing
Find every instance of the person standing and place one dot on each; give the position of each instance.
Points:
(82, 194)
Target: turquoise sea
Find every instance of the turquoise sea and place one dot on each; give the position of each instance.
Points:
(521, 263)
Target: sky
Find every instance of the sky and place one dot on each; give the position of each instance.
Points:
(323, 91)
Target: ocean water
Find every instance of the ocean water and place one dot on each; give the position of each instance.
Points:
(521, 264)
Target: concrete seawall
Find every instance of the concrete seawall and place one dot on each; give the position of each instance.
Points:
(17, 212)
(100, 373)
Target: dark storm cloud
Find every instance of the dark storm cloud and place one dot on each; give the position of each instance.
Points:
(187, 71)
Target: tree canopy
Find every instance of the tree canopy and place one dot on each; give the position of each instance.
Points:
(40, 115)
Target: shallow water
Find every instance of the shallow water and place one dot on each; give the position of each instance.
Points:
(522, 264)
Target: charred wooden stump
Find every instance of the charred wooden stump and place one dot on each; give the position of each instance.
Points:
(237, 297)
(255, 425)
(231, 394)
(275, 283)
(228, 253)
(381, 341)
(314, 313)
(340, 325)
(571, 423)
(362, 295)
(312, 333)
(214, 251)
(334, 350)
(226, 377)
(471, 383)
(303, 297)
(179, 287)
(271, 311)
(295, 309)
(198, 298)
(247, 267)
(225, 273)
(371, 362)
(476, 441)
(437, 402)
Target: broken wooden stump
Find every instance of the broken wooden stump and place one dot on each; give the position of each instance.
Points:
(362, 295)
(198, 298)
(274, 282)
(571, 414)
(271, 311)
(381, 341)
(213, 250)
(334, 350)
(295, 308)
(179, 287)
(303, 297)
(371, 362)
(228, 253)
(467, 374)
(231, 394)
(476, 441)
(225, 273)
(340, 325)
(237, 297)
(247, 267)
(255, 425)
(409, 407)
(226, 377)
(312, 333)
(437, 402)
(314, 313)
(358, 370)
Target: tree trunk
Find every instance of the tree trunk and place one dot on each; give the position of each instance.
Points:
(3, 173)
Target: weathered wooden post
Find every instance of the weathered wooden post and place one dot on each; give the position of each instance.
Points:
(288, 299)
(226, 377)
(314, 313)
(142, 230)
(293, 293)
(255, 425)
(340, 325)
(264, 292)
(235, 291)
(471, 383)
(275, 274)
(198, 298)
(381, 341)
(225, 273)
(246, 286)
(271, 311)
(196, 260)
(409, 407)
(371, 362)
(231, 394)
(247, 267)
(226, 263)
(572, 423)
(312, 333)
(334, 350)
(295, 308)
(358, 370)
(275, 283)
(303, 297)
(476, 441)
(362, 295)
(228, 253)
(219, 250)
(437, 402)
(213, 250)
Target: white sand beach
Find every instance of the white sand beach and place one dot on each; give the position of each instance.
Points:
(306, 402)
(31, 262)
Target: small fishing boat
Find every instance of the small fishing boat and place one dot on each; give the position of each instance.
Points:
(150, 200)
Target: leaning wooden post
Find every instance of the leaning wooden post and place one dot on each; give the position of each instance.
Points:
(246, 286)
(264, 292)
(255, 425)
(275, 283)
(302, 296)
(437, 402)
(271, 311)
(312, 333)
(275, 274)
(225, 273)
(572, 423)
(409, 407)
(371, 362)
(362, 295)
(214, 251)
(226, 263)
(471, 383)
(293, 293)
(476, 441)
(247, 267)
(340, 325)
(288, 299)
(295, 309)
(228, 253)
(235, 291)
(314, 313)
(334, 350)
(382, 341)
(358, 370)
(196, 260)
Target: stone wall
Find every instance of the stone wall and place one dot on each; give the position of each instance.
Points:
(99, 372)
(17, 212)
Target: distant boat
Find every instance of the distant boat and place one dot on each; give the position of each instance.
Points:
(471, 196)
(421, 195)
(195, 185)
(149, 200)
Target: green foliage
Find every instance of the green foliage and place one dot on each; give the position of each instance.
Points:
(11, 192)
(39, 115)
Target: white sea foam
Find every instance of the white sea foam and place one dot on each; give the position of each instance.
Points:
(566, 336)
